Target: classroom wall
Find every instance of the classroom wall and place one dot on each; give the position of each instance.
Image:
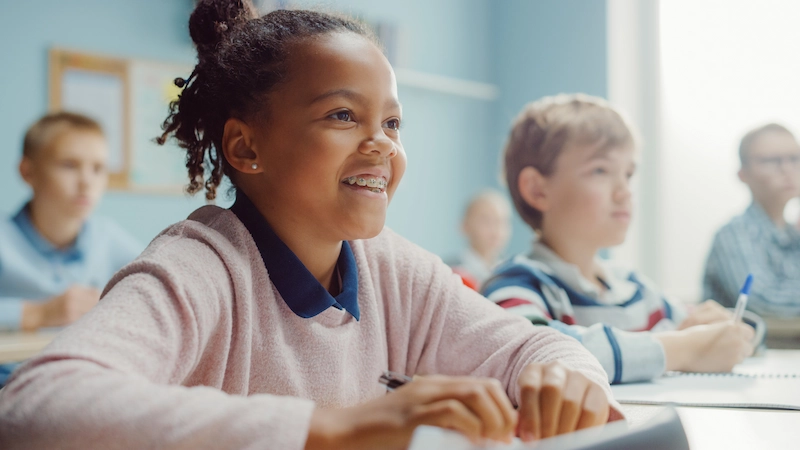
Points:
(527, 49)
(144, 28)
(543, 48)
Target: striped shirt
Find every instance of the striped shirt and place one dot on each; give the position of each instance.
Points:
(613, 324)
(752, 243)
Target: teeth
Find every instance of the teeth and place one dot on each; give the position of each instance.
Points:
(374, 184)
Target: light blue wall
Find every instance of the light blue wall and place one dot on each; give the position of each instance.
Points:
(528, 48)
(143, 28)
(543, 47)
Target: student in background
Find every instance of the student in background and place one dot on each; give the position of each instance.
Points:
(268, 324)
(759, 241)
(487, 227)
(568, 164)
(54, 258)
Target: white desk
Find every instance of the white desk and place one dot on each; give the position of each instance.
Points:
(18, 346)
(727, 428)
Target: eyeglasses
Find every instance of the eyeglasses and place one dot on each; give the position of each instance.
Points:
(774, 163)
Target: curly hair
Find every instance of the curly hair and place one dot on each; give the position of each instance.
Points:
(240, 59)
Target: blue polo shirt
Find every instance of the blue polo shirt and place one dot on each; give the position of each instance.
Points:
(303, 294)
(32, 269)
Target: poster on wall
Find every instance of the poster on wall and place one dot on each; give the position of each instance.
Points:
(130, 99)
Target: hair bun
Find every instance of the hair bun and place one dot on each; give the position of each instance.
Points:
(211, 20)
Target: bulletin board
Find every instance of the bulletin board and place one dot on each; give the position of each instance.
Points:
(130, 99)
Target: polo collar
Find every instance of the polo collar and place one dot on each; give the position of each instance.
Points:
(761, 223)
(74, 252)
(303, 294)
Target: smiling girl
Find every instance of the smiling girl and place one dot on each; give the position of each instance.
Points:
(269, 324)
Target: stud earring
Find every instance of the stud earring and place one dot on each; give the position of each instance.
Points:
(254, 166)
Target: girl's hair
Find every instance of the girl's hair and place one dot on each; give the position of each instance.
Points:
(240, 59)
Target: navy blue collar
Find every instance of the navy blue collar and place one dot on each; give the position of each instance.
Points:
(304, 295)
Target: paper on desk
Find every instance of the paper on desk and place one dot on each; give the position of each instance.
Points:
(663, 431)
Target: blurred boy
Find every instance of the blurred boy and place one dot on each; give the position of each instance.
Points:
(487, 227)
(54, 260)
(760, 241)
(568, 163)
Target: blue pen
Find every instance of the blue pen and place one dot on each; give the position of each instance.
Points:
(741, 302)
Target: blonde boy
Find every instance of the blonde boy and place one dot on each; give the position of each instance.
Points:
(54, 259)
(487, 227)
(568, 163)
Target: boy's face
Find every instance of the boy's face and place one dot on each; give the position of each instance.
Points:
(69, 176)
(772, 168)
(488, 226)
(588, 196)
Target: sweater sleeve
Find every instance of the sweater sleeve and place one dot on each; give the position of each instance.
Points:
(114, 378)
(456, 331)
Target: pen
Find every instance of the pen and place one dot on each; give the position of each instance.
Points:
(393, 380)
(741, 302)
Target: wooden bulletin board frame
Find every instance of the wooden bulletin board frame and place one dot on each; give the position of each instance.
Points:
(64, 63)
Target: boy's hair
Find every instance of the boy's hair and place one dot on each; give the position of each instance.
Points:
(46, 130)
(545, 127)
(241, 57)
(752, 135)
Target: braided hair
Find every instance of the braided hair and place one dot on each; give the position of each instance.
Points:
(240, 59)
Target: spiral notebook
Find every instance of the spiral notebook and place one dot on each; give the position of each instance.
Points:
(770, 382)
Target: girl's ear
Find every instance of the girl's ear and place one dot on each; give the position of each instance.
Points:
(532, 187)
(237, 139)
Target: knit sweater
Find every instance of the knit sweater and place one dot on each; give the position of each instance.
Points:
(192, 346)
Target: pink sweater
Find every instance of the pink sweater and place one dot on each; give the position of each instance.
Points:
(193, 347)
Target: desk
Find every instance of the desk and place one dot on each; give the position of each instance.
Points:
(728, 428)
(17, 346)
(783, 333)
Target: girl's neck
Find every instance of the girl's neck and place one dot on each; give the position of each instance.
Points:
(581, 256)
(59, 231)
(317, 253)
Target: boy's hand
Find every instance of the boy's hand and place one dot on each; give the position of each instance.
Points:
(715, 347)
(477, 407)
(707, 312)
(60, 310)
(556, 400)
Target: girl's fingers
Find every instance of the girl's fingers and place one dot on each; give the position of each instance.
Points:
(484, 398)
(572, 402)
(506, 409)
(554, 378)
(474, 394)
(530, 418)
(454, 415)
(595, 408)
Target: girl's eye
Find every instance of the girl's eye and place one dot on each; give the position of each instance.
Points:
(393, 124)
(599, 171)
(69, 164)
(344, 116)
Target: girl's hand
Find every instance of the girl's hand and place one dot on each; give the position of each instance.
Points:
(707, 312)
(477, 407)
(556, 400)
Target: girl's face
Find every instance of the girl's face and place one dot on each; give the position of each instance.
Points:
(589, 195)
(330, 144)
